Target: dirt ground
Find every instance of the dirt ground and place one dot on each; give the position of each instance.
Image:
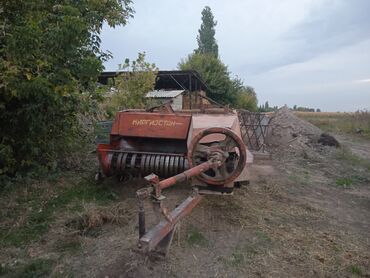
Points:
(293, 220)
(304, 214)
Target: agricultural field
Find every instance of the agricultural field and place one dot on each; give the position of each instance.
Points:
(352, 123)
(305, 213)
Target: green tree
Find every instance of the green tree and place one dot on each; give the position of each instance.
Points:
(205, 60)
(50, 57)
(206, 38)
(247, 99)
(133, 85)
(215, 74)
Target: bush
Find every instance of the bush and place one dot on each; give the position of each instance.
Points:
(50, 58)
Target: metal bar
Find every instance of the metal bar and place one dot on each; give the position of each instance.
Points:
(141, 220)
(185, 175)
(171, 75)
(139, 152)
(151, 239)
(190, 100)
(193, 73)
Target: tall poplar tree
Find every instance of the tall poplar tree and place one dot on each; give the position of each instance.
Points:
(222, 87)
(206, 38)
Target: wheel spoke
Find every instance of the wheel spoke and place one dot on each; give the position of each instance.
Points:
(221, 172)
(228, 144)
(202, 149)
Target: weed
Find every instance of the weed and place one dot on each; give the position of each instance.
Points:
(336, 247)
(263, 237)
(35, 268)
(23, 234)
(344, 182)
(360, 178)
(300, 178)
(305, 155)
(196, 238)
(4, 270)
(346, 155)
(247, 250)
(69, 246)
(354, 269)
(237, 258)
(240, 255)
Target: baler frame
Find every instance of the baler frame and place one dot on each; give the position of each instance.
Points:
(143, 143)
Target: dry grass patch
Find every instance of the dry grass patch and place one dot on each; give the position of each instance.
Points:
(94, 217)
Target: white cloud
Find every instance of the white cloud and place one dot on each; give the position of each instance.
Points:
(362, 81)
(324, 82)
(292, 52)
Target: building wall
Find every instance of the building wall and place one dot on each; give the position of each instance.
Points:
(183, 101)
(176, 102)
(197, 102)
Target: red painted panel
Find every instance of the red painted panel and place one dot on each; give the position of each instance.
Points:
(152, 125)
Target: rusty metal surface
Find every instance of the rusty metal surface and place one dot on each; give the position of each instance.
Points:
(238, 144)
(204, 121)
(152, 125)
(186, 174)
(154, 236)
(207, 148)
(163, 142)
(254, 127)
(141, 164)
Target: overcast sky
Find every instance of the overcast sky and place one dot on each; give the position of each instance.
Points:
(313, 53)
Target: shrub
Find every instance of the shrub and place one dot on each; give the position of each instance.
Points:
(50, 58)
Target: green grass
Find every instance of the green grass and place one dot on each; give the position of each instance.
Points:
(35, 268)
(346, 155)
(4, 270)
(73, 246)
(263, 238)
(245, 251)
(302, 178)
(354, 269)
(196, 238)
(237, 258)
(40, 211)
(344, 182)
(241, 255)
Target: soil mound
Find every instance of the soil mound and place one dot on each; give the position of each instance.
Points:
(328, 140)
(287, 128)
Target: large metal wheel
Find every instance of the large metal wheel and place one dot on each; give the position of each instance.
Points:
(232, 146)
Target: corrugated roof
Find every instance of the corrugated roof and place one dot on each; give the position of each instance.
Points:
(164, 93)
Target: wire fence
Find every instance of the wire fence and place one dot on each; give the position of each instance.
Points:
(254, 128)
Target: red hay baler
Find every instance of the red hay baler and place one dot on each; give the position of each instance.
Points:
(165, 148)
